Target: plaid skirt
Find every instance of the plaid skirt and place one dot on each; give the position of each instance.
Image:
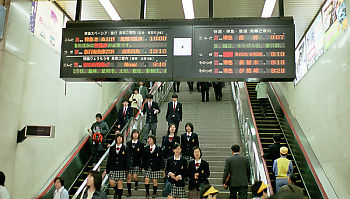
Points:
(117, 175)
(135, 170)
(178, 192)
(153, 174)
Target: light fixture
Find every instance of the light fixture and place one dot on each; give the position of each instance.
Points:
(188, 9)
(268, 8)
(107, 5)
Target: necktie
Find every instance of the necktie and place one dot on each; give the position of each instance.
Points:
(197, 164)
(171, 138)
(124, 111)
(174, 106)
(149, 105)
(118, 148)
(133, 145)
(150, 149)
(188, 137)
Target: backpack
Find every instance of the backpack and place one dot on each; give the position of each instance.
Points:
(97, 137)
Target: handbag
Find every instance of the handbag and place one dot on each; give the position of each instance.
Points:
(167, 188)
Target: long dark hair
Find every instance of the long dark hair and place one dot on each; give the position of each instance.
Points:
(168, 132)
(97, 179)
(190, 125)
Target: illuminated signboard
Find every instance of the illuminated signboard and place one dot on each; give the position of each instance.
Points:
(227, 49)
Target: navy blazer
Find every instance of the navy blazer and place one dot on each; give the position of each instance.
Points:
(151, 117)
(178, 167)
(153, 160)
(123, 119)
(167, 146)
(203, 171)
(174, 116)
(118, 162)
(136, 153)
(187, 146)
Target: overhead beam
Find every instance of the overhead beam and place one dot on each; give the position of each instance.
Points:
(78, 10)
(61, 9)
(281, 7)
(143, 9)
(211, 9)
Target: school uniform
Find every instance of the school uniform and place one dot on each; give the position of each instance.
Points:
(118, 162)
(153, 162)
(135, 154)
(124, 115)
(167, 145)
(202, 168)
(178, 166)
(149, 109)
(188, 141)
(174, 113)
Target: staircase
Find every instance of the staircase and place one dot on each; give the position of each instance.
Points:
(268, 126)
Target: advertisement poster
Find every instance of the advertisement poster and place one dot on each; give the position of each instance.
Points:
(335, 20)
(46, 23)
(300, 61)
(315, 41)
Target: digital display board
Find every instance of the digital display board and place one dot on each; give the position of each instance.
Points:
(186, 50)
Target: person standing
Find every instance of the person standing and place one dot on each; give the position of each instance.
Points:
(238, 167)
(135, 148)
(99, 131)
(282, 168)
(188, 141)
(153, 165)
(261, 89)
(204, 86)
(190, 86)
(117, 164)
(124, 114)
(152, 110)
(176, 86)
(218, 90)
(142, 90)
(198, 174)
(60, 191)
(136, 101)
(273, 151)
(176, 170)
(93, 187)
(174, 112)
(291, 187)
(168, 141)
(4, 194)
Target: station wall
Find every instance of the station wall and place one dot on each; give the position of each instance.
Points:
(31, 93)
(320, 103)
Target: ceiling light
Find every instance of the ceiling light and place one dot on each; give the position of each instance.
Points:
(107, 5)
(268, 8)
(188, 9)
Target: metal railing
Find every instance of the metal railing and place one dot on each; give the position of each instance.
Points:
(160, 91)
(249, 134)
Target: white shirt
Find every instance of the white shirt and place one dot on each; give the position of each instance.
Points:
(4, 194)
(188, 134)
(199, 162)
(174, 104)
(90, 194)
(118, 146)
(152, 147)
(134, 141)
(178, 159)
(58, 193)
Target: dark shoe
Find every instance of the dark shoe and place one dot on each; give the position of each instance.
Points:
(147, 196)
(115, 196)
(154, 196)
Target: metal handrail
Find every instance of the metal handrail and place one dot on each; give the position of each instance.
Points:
(159, 91)
(249, 133)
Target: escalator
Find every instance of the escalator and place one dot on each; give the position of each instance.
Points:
(268, 126)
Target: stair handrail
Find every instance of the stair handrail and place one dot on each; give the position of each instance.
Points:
(250, 135)
(159, 91)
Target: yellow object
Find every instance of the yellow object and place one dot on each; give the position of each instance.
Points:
(284, 150)
(262, 187)
(211, 190)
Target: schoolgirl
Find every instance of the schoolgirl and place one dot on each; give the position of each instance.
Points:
(188, 141)
(168, 141)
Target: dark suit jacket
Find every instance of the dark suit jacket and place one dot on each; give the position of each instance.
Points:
(178, 167)
(135, 153)
(174, 116)
(167, 146)
(203, 171)
(274, 152)
(122, 120)
(143, 92)
(151, 117)
(118, 162)
(187, 146)
(239, 168)
(153, 160)
(204, 85)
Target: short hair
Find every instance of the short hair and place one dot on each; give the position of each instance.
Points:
(60, 179)
(135, 131)
(2, 178)
(119, 135)
(174, 96)
(125, 100)
(196, 147)
(190, 125)
(277, 138)
(136, 90)
(235, 148)
(168, 132)
(256, 187)
(97, 179)
(153, 138)
(176, 145)
(293, 178)
(99, 115)
(149, 96)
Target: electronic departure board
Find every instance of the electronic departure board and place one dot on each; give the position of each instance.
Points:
(188, 50)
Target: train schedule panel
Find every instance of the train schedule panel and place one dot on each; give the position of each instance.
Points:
(245, 49)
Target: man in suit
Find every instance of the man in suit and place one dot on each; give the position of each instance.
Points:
(176, 86)
(204, 86)
(152, 110)
(124, 114)
(174, 112)
(142, 90)
(239, 169)
(218, 90)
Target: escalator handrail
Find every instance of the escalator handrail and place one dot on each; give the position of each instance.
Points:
(301, 145)
(87, 136)
(259, 142)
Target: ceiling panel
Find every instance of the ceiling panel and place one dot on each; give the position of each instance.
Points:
(127, 9)
(164, 9)
(238, 8)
